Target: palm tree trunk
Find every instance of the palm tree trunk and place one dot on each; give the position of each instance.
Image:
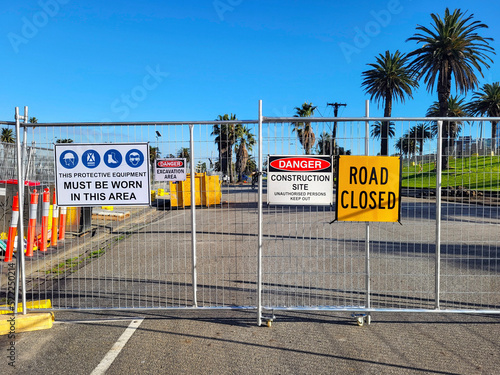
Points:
(223, 160)
(384, 144)
(494, 136)
(444, 90)
(220, 159)
(384, 133)
(445, 143)
(230, 163)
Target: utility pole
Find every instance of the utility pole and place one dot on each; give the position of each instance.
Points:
(335, 113)
(336, 107)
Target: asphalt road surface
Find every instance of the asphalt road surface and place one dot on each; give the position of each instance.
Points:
(229, 342)
(146, 262)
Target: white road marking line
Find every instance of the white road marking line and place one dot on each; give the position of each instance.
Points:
(117, 348)
(95, 321)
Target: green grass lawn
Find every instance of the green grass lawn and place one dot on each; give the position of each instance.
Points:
(475, 172)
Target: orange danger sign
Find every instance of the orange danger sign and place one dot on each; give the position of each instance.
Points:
(369, 188)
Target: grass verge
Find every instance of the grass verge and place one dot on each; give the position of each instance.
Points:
(474, 172)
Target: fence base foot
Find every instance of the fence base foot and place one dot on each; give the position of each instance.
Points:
(361, 319)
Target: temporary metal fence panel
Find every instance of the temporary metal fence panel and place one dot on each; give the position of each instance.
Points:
(470, 224)
(311, 263)
(308, 262)
(442, 257)
(147, 257)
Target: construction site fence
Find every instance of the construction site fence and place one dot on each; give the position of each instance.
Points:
(443, 256)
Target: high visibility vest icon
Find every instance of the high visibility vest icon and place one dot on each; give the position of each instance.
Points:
(91, 162)
(12, 229)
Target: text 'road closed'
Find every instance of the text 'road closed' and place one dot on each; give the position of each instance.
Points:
(368, 188)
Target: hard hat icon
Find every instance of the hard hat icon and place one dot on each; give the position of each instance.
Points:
(68, 159)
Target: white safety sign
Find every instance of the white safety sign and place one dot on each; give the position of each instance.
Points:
(170, 170)
(300, 180)
(115, 174)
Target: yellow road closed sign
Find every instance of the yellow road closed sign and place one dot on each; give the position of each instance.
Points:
(369, 188)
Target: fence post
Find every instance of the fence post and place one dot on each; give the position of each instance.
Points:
(20, 267)
(193, 213)
(25, 158)
(259, 250)
(367, 260)
(438, 214)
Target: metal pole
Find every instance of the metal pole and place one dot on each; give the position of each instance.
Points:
(20, 226)
(367, 264)
(18, 265)
(25, 163)
(193, 213)
(24, 166)
(438, 213)
(259, 256)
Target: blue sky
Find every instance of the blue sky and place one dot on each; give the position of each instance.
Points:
(72, 60)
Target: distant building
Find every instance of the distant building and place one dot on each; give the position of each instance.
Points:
(467, 146)
(463, 146)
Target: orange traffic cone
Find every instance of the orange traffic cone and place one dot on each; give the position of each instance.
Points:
(55, 221)
(12, 229)
(62, 224)
(32, 224)
(45, 220)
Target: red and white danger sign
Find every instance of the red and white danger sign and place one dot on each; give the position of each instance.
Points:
(300, 180)
(170, 170)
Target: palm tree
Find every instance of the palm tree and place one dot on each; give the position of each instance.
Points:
(406, 145)
(225, 138)
(487, 102)
(183, 153)
(342, 151)
(451, 50)
(201, 167)
(66, 140)
(455, 108)
(305, 130)
(246, 142)
(420, 133)
(251, 166)
(33, 120)
(324, 147)
(399, 145)
(7, 136)
(390, 79)
(324, 144)
(377, 130)
(154, 153)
